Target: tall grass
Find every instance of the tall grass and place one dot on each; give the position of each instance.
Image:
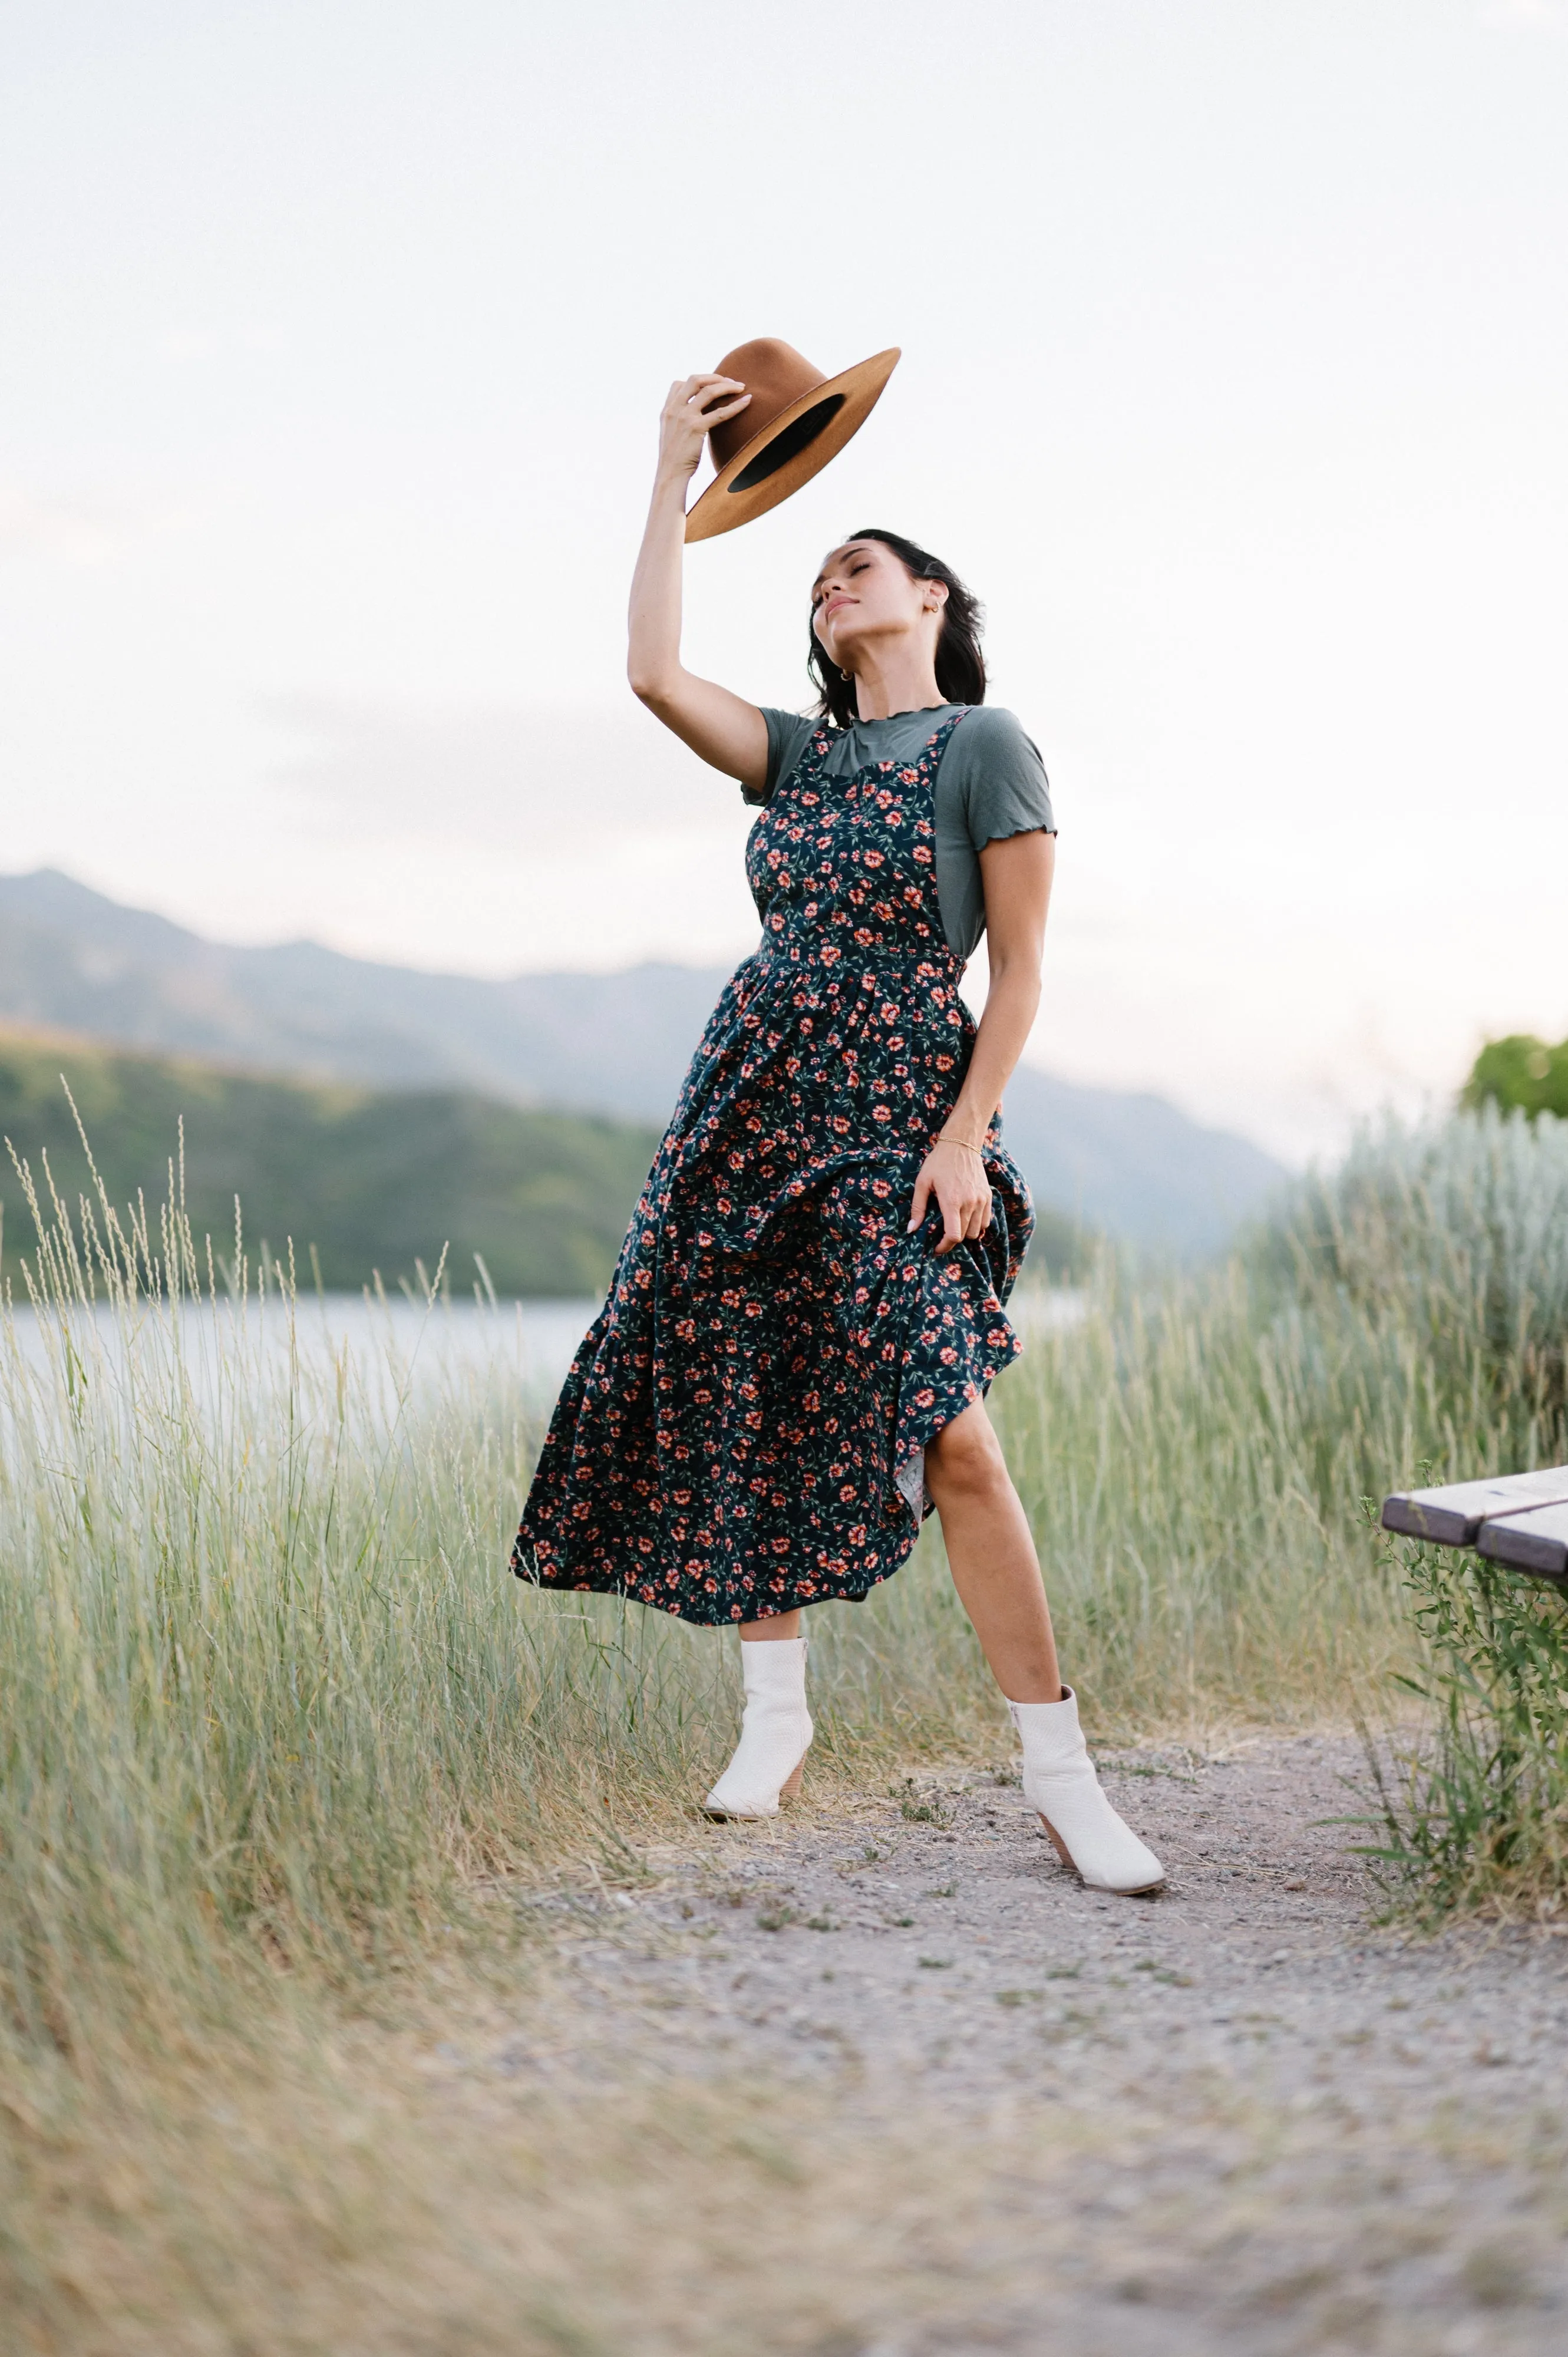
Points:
(1193, 1459)
(266, 1678)
(269, 1692)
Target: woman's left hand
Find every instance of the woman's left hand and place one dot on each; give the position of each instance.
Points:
(957, 1178)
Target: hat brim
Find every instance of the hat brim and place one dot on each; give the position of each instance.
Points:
(761, 475)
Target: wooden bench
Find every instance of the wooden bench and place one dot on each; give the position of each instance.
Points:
(1519, 1520)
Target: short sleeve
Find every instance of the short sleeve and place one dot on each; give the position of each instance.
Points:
(787, 737)
(1004, 789)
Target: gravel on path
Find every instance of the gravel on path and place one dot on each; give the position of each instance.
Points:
(1275, 2126)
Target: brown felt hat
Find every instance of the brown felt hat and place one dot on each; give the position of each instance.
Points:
(796, 421)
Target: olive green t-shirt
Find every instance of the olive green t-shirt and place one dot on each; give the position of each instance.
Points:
(990, 782)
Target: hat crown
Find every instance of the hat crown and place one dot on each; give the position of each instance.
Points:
(775, 374)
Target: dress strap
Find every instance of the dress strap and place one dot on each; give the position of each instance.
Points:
(936, 744)
(817, 751)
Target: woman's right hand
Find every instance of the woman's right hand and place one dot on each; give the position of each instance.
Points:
(720, 728)
(695, 406)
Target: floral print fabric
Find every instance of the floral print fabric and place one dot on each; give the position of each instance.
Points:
(743, 1430)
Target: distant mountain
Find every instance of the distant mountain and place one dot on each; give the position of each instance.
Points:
(1133, 1165)
(616, 1044)
(370, 1179)
(606, 1042)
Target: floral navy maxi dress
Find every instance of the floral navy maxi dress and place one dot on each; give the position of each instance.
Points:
(742, 1429)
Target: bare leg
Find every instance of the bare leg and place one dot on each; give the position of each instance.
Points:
(997, 1575)
(991, 1553)
(777, 1624)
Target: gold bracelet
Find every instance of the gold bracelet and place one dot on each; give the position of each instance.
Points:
(944, 1140)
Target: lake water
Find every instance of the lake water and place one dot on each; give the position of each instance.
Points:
(536, 1339)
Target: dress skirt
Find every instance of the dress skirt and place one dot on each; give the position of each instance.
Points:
(743, 1426)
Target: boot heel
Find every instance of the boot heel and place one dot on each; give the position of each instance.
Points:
(1058, 1843)
(791, 1788)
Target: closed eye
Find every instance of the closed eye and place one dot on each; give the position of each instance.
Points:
(818, 594)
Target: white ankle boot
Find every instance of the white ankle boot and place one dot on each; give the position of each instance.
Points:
(775, 1732)
(1061, 1782)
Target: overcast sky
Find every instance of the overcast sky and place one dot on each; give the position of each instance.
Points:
(1235, 380)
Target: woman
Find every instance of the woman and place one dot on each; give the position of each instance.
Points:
(792, 1364)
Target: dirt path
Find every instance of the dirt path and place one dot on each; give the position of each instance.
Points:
(1233, 2118)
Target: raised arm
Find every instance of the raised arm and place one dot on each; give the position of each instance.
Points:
(723, 728)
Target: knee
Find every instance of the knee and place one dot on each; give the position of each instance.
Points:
(965, 1460)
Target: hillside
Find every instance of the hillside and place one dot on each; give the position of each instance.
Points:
(374, 1180)
(612, 1044)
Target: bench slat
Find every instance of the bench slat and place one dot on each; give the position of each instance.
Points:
(1536, 1541)
(1452, 1516)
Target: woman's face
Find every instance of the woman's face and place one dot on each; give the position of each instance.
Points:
(863, 593)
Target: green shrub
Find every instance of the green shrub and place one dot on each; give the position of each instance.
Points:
(1475, 1807)
(1453, 1235)
(1519, 1074)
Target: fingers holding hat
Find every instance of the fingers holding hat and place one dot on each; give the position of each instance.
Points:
(695, 406)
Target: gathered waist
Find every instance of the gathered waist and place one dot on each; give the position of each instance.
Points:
(807, 948)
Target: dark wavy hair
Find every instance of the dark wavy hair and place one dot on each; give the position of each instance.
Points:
(961, 666)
